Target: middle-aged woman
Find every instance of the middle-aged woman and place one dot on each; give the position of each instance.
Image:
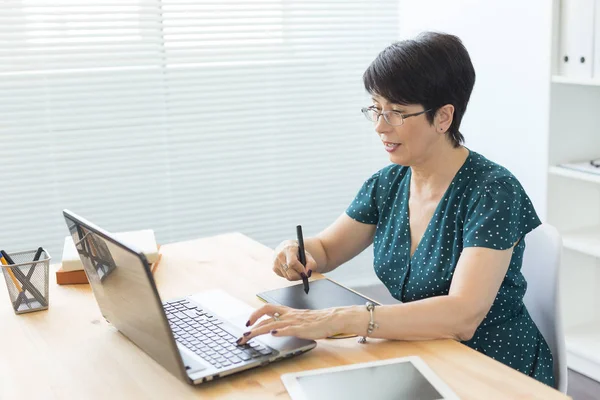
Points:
(447, 224)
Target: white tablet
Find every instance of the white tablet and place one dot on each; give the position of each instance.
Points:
(397, 378)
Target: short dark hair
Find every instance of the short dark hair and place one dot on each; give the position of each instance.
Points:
(433, 70)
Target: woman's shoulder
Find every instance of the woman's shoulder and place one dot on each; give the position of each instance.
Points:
(497, 212)
(368, 202)
(389, 174)
(487, 176)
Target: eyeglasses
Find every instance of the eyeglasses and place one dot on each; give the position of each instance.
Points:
(392, 117)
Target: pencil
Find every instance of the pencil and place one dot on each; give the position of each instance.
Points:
(12, 276)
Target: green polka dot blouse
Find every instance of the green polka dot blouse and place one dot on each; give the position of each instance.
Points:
(484, 206)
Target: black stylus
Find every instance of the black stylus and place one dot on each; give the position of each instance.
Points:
(302, 256)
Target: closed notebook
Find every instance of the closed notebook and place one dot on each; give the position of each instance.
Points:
(143, 240)
(323, 293)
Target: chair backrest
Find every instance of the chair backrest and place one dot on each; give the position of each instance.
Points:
(541, 263)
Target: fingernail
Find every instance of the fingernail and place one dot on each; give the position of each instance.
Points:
(274, 332)
(239, 340)
(309, 272)
(303, 275)
(247, 333)
(248, 323)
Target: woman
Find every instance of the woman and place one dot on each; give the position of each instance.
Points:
(446, 223)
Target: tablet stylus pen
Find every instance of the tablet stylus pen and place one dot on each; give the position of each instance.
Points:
(302, 256)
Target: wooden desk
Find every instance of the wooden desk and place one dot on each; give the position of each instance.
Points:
(70, 352)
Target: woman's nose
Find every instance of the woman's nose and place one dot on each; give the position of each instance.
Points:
(381, 126)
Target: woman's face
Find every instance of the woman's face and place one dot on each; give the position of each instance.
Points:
(413, 141)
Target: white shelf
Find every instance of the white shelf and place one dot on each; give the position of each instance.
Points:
(585, 240)
(575, 81)
(583, 349)
(574, 174)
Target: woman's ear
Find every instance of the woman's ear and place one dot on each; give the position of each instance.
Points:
(444, 117)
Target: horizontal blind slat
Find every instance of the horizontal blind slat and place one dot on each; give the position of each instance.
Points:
(224, 61)
(13, 104)
(180, 77)
(125, 117)
(333, 46)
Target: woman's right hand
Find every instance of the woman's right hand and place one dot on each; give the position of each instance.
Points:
(287, 263)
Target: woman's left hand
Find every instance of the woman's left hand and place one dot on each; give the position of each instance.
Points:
(286, 321)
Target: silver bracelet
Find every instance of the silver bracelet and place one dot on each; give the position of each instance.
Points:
(372, 325)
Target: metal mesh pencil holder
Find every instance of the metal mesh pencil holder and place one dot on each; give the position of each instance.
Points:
(27, 280)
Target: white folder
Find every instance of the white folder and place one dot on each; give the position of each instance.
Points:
(576, 54)
(596, 69)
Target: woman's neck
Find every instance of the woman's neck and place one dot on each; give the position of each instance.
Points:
(434, 174)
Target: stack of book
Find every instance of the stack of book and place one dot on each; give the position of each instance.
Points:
(71, 270)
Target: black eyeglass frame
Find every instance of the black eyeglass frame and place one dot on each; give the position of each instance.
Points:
(366, 110)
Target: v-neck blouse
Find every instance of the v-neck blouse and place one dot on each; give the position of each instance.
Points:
(484, 206)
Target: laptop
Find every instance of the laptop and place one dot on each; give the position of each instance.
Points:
(193, 337)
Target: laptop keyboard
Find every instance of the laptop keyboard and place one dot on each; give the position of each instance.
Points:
(201, 333)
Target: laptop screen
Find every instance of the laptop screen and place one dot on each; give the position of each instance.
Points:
(122, 284)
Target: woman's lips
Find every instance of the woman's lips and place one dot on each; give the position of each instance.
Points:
(390, 147)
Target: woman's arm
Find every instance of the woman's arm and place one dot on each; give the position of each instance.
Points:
(343, 240)
(474, 286)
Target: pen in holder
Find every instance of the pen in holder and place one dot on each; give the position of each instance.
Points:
(26, 274)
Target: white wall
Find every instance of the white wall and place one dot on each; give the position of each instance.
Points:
(509, 42)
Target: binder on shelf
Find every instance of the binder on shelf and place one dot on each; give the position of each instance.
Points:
(596, 69)
(577, 38)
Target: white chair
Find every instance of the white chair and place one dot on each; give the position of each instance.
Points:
(541, 263)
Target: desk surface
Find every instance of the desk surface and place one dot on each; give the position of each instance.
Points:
(69, 351)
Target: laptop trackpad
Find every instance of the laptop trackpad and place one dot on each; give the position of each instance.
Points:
(225, 306)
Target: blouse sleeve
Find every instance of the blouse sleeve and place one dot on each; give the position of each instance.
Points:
(500, 216)
(364, 206)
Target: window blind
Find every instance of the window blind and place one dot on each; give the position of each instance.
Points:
(189, 117)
